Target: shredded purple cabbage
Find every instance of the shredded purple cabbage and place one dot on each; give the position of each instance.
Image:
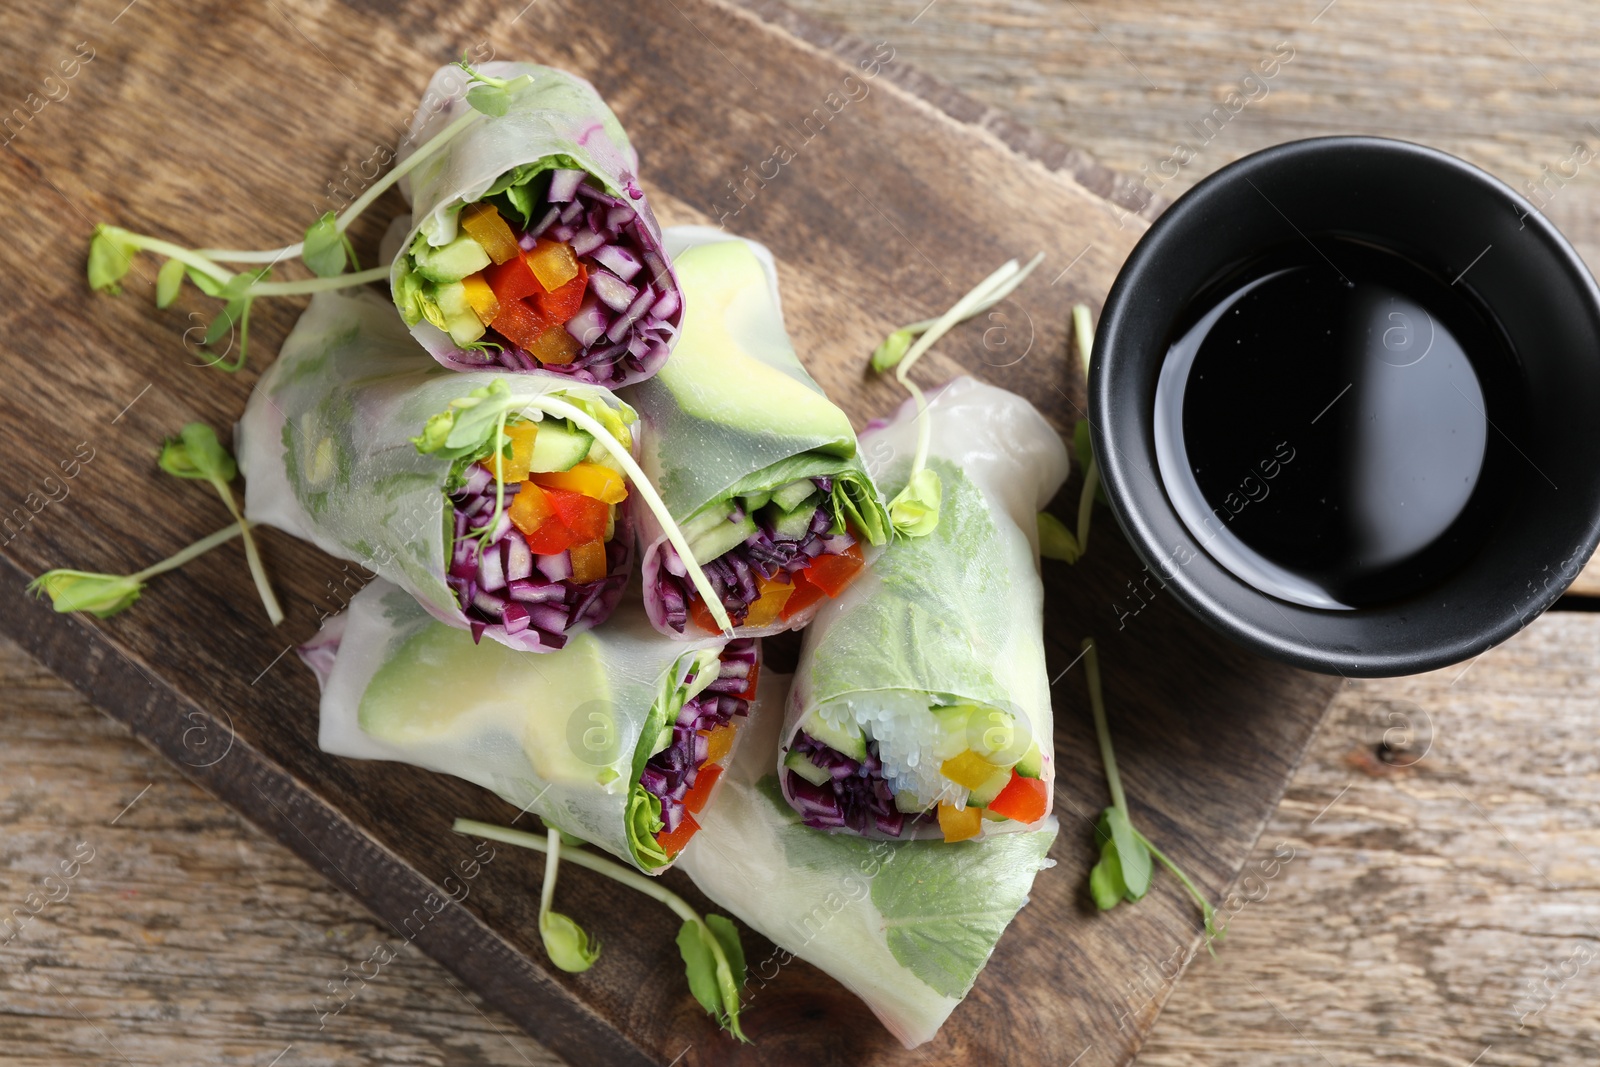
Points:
(733, 574)
(857, 798)
(671, 773)
(632, 309)
(504, 584)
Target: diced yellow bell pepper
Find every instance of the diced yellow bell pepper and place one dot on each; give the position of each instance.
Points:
(515, 466)
(767, 607)
(481, 298)
(484, 225)
(588, 561)
(553, 263)
(555, 347)
(719, 742)
(959, 824)
(590, 479)
(968, 769)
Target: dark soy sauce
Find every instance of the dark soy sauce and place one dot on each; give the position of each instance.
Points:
(1331, 421)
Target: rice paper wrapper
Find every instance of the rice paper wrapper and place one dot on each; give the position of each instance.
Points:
(559, 122)
(905, 925)
(734, 411)
(956, 617)
(325, 448)
(557, 735)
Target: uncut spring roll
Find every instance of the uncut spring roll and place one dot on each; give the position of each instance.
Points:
(531, 243)
(618, 738)
(755, 464)
(906, 926)
(328, 441)
(921, 706)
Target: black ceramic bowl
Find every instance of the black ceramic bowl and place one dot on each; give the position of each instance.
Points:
(1541, 521)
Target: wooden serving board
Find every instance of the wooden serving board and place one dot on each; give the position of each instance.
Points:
(227, 125)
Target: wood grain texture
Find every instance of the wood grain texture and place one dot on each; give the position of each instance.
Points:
(214, 123)
(1441, 906)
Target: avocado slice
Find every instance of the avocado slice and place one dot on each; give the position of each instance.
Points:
(460, 320)
(558, 447)
(848, 740)
(791, 495)
(801, 764)
(451, 262)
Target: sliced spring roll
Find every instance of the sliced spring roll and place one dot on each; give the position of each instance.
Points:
(906, 925)
(921, 706)
(755, 464)
(328, 441)
(618, 738)
(531, 244)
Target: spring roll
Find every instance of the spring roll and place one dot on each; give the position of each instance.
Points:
(618, 738)
(921, 706)
(904, 925)
(329, 443)
(531, 244)
(756, 465)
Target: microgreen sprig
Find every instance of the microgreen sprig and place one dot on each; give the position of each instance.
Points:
(325, 249)
(567, 944)
(104, 595)
(474, 425)
(713, 956)
(196, 453)
(1055, 540)
(1124, 869)
(915, 509)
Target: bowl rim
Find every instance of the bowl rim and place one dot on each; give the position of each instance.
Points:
(1134, 497)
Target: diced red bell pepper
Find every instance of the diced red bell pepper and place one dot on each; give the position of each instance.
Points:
(583, 515)
(512, 280)
(562, 303)
(832, 573)
(700, 792)
(805, 594)
(673, 843)
(750, 690)
(519, 323)
(550, 538)
(700, 615)
(1023, 799)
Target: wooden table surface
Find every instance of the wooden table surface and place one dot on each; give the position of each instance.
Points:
(1438, 908)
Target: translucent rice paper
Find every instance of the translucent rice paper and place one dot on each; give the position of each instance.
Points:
(554, 734)
(557, 122)
(956, 616)
(324, 444)
(733, 408)
(904, 925)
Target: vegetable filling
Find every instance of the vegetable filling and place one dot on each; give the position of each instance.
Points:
(682, 773)
(982, 768)
(769, 557)
(539, 553)
(552, 272)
